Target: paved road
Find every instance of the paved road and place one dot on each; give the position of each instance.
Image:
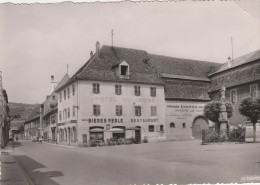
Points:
(153, 163)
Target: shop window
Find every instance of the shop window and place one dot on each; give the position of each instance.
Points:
(183, 125)
(172, 125)
(119, 110)
(153, 91)
(151, 128)
(137, 91)
(233, 96)
(253, 90)
(96, 110)
(153, 111)
(161, 128)
(118, 89)
(138, 111)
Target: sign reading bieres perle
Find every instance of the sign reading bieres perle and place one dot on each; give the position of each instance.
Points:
(121, 120)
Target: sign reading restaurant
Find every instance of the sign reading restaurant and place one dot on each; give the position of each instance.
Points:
(116, 120)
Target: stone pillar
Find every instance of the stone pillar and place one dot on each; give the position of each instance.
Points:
(223, 120)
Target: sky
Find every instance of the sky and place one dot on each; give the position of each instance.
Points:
(39, 40)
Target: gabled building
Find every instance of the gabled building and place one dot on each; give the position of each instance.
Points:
(124, 93)
(186, 93)
(32, 125)
(116, 94)
(241, 78)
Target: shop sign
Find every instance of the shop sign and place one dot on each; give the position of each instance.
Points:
(144, 120)
(104, 120)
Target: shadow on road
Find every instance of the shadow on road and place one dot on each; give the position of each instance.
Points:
(31, 167)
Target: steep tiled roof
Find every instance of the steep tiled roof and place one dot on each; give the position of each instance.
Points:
(186, 67)
(184, 89)
(237, 76)
(250, 57)
(35, 113)
(145, 67)
(63, 81)
(103, 68)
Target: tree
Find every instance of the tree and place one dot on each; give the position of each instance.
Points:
(212, 111)
(250, 108)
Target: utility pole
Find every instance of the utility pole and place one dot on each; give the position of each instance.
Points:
(232, 47)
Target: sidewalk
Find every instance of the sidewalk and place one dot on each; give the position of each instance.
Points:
(11, 172)
(58, 145)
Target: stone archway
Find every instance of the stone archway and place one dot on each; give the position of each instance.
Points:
(199, 123)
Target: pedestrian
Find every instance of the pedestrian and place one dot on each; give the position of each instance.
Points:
(40, 140)
(16, 138)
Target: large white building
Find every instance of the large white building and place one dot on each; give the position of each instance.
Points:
(116, 94)
(124, 93)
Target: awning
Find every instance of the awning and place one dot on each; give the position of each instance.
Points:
(96, 130)
(116, 130)
(133, 128)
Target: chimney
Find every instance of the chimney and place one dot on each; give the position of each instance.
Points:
(91, 54)
(52, 83)
(98, 49)
(229, 62)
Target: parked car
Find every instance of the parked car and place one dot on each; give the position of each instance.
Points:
(35, 139)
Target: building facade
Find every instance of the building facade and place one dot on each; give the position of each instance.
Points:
(241, 78)
(32, 124)
(4, 117)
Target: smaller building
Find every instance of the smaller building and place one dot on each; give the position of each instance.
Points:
(4, 117)
(50, 124)
(32, 125)
(241, 78)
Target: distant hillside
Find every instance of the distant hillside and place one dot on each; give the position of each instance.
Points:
(23, 109)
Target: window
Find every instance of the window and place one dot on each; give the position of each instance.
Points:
(60, 116)
(253, 90)
(233, 96)
(151, 128)
(96, 88)
(73, 89)
(172, 125)
(64, 94)
(68, 112)
(119, 110)
(161, 128)
(153, 111)
(96, 110)
(60, 96)
(68, 92)
(73, 111)
(137, 90)
(124, 70)
(183, 125)
(118, 89)
(153, 91)
(138, 110)
(64, 113)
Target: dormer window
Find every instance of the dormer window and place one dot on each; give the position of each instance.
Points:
(124, 69)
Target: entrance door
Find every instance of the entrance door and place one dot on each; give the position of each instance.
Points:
(199, 123)
(138, 135)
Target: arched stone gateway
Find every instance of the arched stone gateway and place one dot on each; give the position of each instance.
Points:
(199, 123)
